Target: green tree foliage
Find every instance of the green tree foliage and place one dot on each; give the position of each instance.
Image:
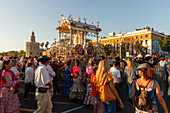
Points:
(11, 54)
(165, 44)
(67, 40)
(62, 40)
(21, 53)
(105, 55)
(118, 55)
(123, 50)
(137, 46)
(140, 49)
(108, 49)
(112, 54)
(87, 40)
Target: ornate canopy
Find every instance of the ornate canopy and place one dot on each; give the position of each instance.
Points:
(66, 24)
(75, 32)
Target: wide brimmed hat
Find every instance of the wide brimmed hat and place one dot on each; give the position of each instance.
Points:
(144, 65)
(44, 58)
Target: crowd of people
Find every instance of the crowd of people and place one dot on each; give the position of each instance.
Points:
(94, 82)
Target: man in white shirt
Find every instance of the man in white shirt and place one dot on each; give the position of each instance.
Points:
(52, 74)
(117, 78)
(116, 74)
(35, 62)
(43, 84)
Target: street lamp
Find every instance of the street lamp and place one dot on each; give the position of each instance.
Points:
(85, 37)
(97, 33)
(120, 47)
(71, 40)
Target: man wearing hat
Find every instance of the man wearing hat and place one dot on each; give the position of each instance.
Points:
(55, 67)
(43, 84)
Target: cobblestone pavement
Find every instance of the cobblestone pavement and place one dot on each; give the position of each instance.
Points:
(63, 104)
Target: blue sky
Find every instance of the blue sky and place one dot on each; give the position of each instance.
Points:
(19, 17)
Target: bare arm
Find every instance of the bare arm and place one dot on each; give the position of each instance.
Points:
(70, 70)
(61, 68)
(85, 78)
(162, 73)
(119, 79)
(133, 95)
(160, 98)
(115, 93)
(19, 74)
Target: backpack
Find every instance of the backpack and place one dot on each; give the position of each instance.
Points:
(142, 100)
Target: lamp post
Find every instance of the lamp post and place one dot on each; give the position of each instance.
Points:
(85, 37)
(120, 47)
(84, 42)
(71, 41)
(97, 33)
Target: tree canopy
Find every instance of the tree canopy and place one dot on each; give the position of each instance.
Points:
(140, 49)
(165, 44)
(13, 53)
(108, 49)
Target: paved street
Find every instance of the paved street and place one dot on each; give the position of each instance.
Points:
(63, 104)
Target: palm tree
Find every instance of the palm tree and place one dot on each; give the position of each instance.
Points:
(46, 45)
(42, 44)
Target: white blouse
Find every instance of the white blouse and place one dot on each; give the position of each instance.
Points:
(29, 74)
(14, 69)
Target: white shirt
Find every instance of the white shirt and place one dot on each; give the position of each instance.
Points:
(14, 69)
(35, 62)
(29, 74)
(162, 64)
(0, 63)
(115, 73)
(41, 76)
(50, 72)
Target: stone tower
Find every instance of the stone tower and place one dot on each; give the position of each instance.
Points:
(33, 47)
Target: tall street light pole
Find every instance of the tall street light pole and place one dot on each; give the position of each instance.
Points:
(97, 33)
(97, 54)
(85, 37)
(71, 43)
(120, 47)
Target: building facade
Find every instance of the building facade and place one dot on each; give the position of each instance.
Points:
(146, 36)
(33, 47)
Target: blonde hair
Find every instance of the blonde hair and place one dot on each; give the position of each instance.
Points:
(103, 68)
(91, 62)
(130, 64)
